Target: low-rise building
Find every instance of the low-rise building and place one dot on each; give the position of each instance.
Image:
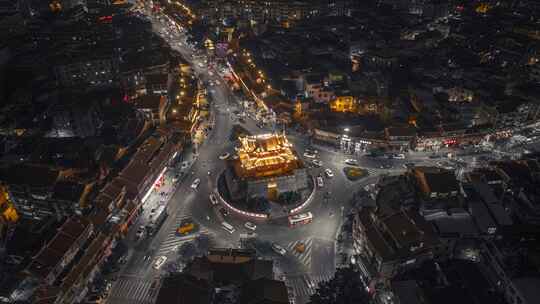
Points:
(435, 183)
(55, 257)
(149, 163)
(388, 243)
(344, 104)
(153, 106)
(94, 71)
(184, 288)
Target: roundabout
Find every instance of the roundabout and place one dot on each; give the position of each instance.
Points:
(277, 182)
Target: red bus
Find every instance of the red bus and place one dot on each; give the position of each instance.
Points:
(300, 219)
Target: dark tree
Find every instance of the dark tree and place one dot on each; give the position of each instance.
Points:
(203, 244)
(187, 251)
(345, 288)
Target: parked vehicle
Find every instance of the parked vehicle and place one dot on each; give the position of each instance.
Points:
(250, 226)
(320, 182)
(224, 212)
(159, 262)
(140, 232)
(213, 199)
(278, 249)
(351, 161)
(228, 227)
(196, 183)
(309, 155)
(157, 218)
(329, 173)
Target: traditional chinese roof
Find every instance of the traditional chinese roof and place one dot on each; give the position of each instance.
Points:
(266, 155)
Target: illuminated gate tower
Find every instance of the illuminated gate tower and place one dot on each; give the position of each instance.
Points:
(266, 166)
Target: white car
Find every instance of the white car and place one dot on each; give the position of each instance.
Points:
(228, 227)
(213, 199)
(278, 249)
(184, 165)
(217, 82)
(351, 161)
(329, 173)
(159, 262)
(399, 156)
(312, 151)
(224, 156)
(196, 183)
(316, 163)
(250, 226)
(320, 182)
(309, 155)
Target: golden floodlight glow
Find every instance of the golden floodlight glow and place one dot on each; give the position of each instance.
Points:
(266, 154)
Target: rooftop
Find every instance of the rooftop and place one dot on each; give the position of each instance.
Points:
(53, 252)
(266, 155)
(436, 180)
(399, 235)
(264, 291)
(184, 289)
(230, 269)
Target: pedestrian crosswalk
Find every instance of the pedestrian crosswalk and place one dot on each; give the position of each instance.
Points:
(133, 291)
(303, 286)
(172, 240)
(303, 255)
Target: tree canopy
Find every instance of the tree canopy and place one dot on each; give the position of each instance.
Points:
(345, 288)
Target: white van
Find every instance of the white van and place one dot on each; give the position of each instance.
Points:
(228, 227)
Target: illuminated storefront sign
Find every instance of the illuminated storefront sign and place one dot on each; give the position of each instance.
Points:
(154, 184)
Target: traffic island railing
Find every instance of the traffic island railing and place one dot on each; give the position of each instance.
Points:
(242, 212)
(264, 216)
(307, 201)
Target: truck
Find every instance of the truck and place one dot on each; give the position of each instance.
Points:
(157, 217)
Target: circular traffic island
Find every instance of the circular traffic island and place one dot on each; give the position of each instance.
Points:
(267, 179)
(264, 207)
(355, 173)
